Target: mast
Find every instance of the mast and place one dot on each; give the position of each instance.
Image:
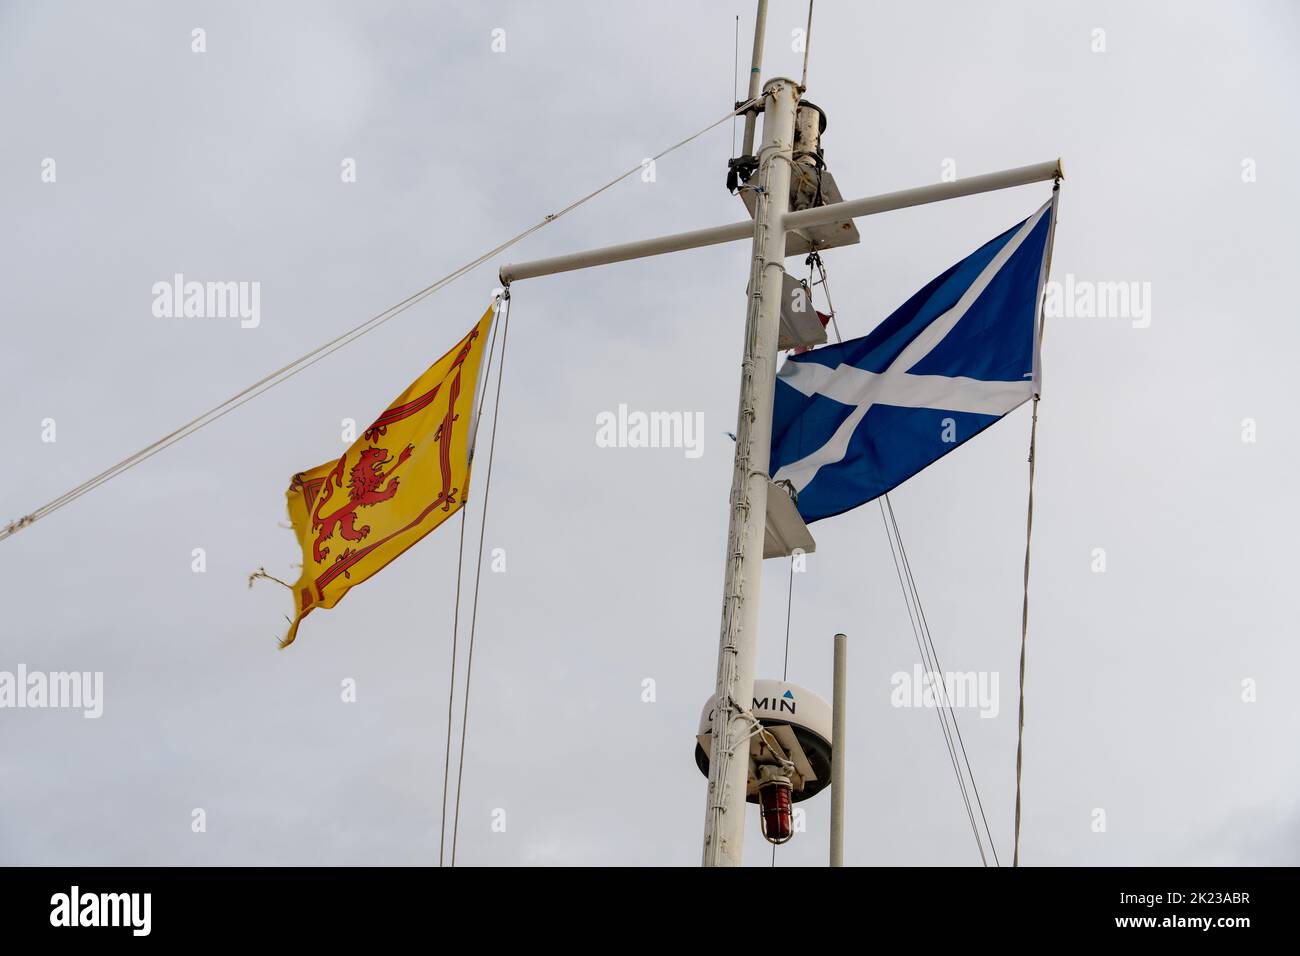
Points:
(724, 825)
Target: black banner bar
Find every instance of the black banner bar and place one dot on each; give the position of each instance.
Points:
(333, 905)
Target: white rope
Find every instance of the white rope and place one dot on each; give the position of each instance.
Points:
(942, 711)
(952, 727)
(283, 374)
(1029, 523)
(478, 574)
(455, 616)
(826, 291)
(1024, 626)
(451, 683)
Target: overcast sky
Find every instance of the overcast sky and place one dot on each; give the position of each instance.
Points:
(226, 165)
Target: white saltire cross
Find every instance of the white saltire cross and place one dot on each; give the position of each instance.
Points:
(897, 386)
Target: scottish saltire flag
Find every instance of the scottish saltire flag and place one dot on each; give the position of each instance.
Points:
(852, 421)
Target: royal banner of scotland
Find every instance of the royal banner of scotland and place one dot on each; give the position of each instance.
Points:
(407, 474)
(854, 420)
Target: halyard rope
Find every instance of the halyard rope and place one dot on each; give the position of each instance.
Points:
(451, 684)
(286, 372)
(925, 648)
(455, 615)
(478, 573)
(1024, 625)
(1029, 521)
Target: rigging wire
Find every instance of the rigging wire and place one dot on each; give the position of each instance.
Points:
(1029, 515)
(455, 617)
(789, 605)
(940, 711)
(938, 669)
(451, 685)
(735, 85)
(286, 372)
(826, 291)
(1024, 626)
(478, 574)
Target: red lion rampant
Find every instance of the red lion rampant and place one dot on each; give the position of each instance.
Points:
(368, 484)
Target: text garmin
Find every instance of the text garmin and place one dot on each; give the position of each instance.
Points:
(785, 703)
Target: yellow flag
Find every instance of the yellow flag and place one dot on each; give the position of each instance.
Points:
(408, 473)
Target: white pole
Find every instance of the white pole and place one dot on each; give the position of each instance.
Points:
(724, 824)
(839, 704)
(856, 208)
(640, 249)
(818, 215)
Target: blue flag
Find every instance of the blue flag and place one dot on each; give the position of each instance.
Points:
(854, 420)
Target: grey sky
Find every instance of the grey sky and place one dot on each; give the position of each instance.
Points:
(226, 166)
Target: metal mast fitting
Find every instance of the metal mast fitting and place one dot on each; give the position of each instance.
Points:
(724, 825)
(811, 184)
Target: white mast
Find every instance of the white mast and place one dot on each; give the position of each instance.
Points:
(724, 823)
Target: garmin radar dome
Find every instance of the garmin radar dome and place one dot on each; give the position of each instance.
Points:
(789, 752)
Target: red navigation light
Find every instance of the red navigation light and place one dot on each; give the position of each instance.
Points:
(774, 802)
